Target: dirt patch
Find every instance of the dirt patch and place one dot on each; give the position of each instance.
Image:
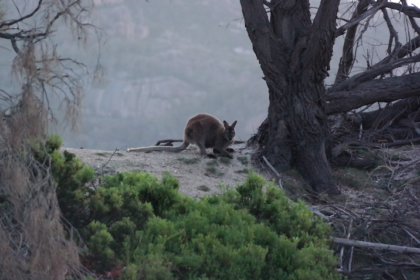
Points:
(197, 176)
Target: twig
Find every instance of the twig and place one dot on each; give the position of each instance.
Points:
(360, 132)
(168, 142)
(11, 22)
(410, 234)
(408, 165)
(103, 166)
(274, 170)
(347, 211)
(396, 263)
(351, 248)
(384, 145)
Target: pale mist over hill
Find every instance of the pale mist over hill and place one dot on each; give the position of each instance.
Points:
(164, 62)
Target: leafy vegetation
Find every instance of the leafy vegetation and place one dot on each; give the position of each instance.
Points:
(244, 160)
(189, 160)
(353, 178)
(203, 188)
(225, 160)
(144, 224)
(245, 170)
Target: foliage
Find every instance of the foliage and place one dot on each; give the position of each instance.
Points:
(189, 160)
(275, 210)
(136, 221)
(243, 159)
(353, 178)
(71, 177)
(157, 233)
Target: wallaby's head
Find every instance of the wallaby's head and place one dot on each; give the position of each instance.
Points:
(229, 133)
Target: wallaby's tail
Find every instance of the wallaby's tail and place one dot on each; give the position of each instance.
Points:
(178, 149)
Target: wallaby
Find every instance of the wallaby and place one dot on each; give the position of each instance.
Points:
(205, 131)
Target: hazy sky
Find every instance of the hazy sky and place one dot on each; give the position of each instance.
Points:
(415, 2)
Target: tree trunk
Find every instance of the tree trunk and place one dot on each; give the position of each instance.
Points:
(296, 130)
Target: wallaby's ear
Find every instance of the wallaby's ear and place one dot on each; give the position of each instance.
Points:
(233, 124)
(225, 124)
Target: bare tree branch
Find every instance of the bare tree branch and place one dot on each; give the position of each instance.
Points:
(355, 21)
(258, 31)
(393, 34)
(370, 74)
(12, 22)
(347, 59)
(379, 90)
(322, 35)
(376, 246)
(59, 14)
(262, 36)
(410, 11)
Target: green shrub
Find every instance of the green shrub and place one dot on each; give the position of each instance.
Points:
(136, 221)
(99, 242)
(274, 209)
(71, 177)
(157, 233)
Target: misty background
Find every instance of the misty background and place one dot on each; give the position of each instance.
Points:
(164, 61)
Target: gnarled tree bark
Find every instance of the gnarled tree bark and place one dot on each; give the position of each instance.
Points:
(294, 55)
(294, 52)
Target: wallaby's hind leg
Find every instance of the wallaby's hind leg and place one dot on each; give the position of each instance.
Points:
(202, 149)
(204, 152)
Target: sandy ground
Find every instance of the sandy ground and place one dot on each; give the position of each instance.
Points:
(203, 176)
(198, 176)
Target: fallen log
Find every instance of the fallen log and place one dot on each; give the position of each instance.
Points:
(375, 246)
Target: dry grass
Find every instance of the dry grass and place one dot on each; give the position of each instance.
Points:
(33, 241)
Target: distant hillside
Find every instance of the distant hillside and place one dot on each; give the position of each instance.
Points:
(166, 61)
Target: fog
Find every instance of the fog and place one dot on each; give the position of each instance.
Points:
(163, 62)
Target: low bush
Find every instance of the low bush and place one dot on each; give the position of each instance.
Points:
(135, 221)
(158, 233)
(71, 177)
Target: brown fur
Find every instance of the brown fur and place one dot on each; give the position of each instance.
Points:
(202, 130)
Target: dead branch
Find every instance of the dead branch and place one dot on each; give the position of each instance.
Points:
(271, 167)
(12, 22)
(375, 246)
(355, 21)
(347, 58)
(167, 142)
(396, 263)
(105, 164)
(412, 21)
(374, 72)
(393, 35)
(385, 145)
(380, 90)
(274, 170)
(410, 11)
